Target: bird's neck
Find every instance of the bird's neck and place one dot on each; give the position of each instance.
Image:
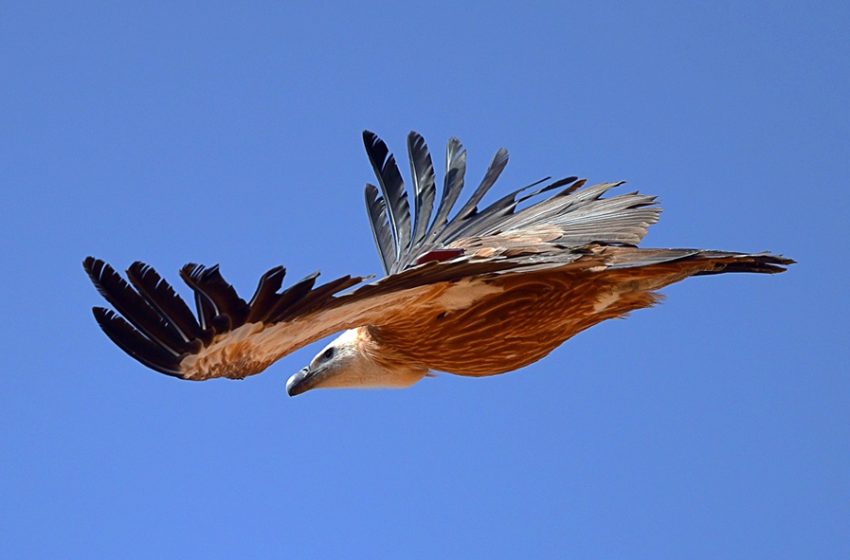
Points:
(398, 368)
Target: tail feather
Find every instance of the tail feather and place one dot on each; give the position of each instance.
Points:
(760, 263)
(699, 260)
(652, 269)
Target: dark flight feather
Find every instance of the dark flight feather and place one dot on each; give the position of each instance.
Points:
(224, 296)
(452, 185)
(319, 297)
(139, 329)
(377, 210)
(392, 188)
(134, 343)
(290, 297)
(159, 293)
(134, 307)
(265, 294)
(424, 185)
(500, 160)
(191, 275)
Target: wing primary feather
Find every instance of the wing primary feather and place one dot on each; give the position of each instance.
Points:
(222, 324)
(424, 186)
(224, 296)
(191, 274)
(500, 160)
(290, 297)
(534, 184)
(219, 306)
(562, 182)
(266, 293)
(468, 210)
(133, 306)
(452, 185)
(319, 297)
(392, 188)
(572, 183)
(377, 211)
(136, 344)
(159, 293)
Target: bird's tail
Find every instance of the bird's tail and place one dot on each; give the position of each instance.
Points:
(652, 269)
(716, 262)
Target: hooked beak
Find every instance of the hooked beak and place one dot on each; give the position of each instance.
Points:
(300, 382)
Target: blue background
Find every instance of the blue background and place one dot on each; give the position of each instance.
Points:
(714, 426)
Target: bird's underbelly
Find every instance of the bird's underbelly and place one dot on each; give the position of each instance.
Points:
(511, 329)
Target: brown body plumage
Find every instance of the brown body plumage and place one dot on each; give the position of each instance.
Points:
(483, 292)
(530, 315)
(502, 332)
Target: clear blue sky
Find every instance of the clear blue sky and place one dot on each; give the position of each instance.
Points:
(715, 426)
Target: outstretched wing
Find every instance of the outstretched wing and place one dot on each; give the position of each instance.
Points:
(562, 213)
(558, 224)
(229, 337)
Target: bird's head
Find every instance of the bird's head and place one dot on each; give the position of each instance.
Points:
(354, 360)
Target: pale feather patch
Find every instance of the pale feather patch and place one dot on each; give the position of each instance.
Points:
(464, 293)
(360, 363)
(604, 301)
(349, 336)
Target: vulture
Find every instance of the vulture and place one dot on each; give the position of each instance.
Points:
(476, 290)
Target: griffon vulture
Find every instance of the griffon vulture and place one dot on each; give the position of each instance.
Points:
(481, 291)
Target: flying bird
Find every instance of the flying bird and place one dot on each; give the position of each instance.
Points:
(483, 290)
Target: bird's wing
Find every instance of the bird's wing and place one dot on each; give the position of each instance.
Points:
(229, 337)
(558, 214)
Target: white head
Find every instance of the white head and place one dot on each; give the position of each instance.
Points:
(354, 360)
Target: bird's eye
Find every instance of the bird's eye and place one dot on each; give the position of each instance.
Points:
(327, 354)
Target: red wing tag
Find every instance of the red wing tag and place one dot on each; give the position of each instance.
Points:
(439, 255)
